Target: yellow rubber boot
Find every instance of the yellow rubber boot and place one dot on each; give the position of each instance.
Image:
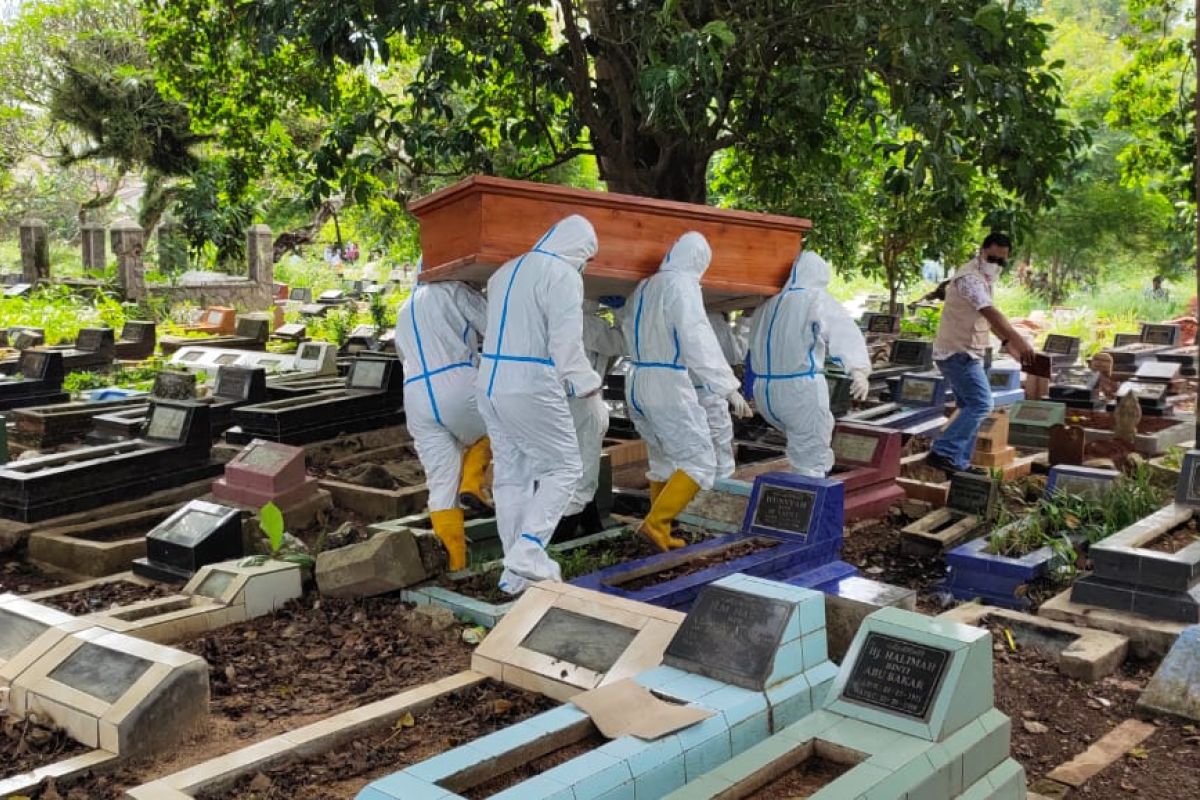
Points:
(471, 493)
(656, 488)
(672, 500)
(449, 527)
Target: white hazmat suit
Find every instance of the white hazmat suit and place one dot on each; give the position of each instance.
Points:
(716, 408)
(437, 336)
(666, 329)
(533, 359)
(602, 344)
(788, 342)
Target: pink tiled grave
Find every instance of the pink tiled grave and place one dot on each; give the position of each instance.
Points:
(266, 472)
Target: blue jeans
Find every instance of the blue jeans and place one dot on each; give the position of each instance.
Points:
(973, 396)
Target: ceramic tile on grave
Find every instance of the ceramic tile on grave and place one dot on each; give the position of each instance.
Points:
(332, 297)
(912, 709)
(907, 355)
(918, 408)
(1063, 350)
(200, 533)
(867, 463)
(881, 324)
(799, 518)
(1005, 379)
(1123, 339)
(1130, 576)
(1158, 372)
(991, 443)
(265, 472)
(1029, 425)
(291, 332)
(1067, 444)
(1086, 482)
(300, 294)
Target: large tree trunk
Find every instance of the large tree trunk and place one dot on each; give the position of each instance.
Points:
(1196, 175)
(672, 176)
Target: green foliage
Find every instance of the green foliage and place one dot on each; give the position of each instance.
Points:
(60, 313)
(270, 520)
(140, 378)
(1064, 521)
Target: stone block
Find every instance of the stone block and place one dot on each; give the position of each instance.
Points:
(1175, 687)
(384, 563)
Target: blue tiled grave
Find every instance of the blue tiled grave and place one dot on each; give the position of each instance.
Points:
(1005, 379)
(911, 713)
(1175, 688)
(919, 406)
(970, 504)
(767, 638)
(1031, 420)
(998, 579)
(799, 517)
(1128, 576)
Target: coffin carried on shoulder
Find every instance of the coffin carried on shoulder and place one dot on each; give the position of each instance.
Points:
(475, 226)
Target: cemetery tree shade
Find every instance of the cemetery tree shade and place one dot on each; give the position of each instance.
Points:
(653, 90)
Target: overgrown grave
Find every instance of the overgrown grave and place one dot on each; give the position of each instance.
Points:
(749, 659)
(1145, 581)
(910, 714)
(1002, 568)
(94, 350)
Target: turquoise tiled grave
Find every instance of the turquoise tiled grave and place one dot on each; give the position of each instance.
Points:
(770, 669)
(911, 712)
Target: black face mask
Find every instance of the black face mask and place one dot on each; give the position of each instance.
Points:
(999, 261)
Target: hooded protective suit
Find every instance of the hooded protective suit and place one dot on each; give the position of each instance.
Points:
(716, 408)
(788, 341)
(602, 343)
(437, 336)
(666, 328)
(533, 360)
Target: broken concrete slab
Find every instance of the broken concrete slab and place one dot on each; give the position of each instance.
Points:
(1175, 687)
(1148, 637)
(1082, 653)
(384, 563)
(1113, 745)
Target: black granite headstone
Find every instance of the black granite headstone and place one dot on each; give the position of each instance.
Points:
(883, 323)
(173, 385)
(788, 509)
(200, 533)
(911, 352)
(1187, 490)
(314, 310)
(1125, 339)
(95, 339)
(897, 676)
(241, 384)
(293, 331)
(301, 294)
(730, 636)
(138, 331)
(973, 494)
(254, 328)
(1160, 334)
(1059, 345)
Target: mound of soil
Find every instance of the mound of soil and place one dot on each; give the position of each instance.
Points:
(389, 475)
(809, 777)
(1176, 540)
(20, 578)
(1103, 421)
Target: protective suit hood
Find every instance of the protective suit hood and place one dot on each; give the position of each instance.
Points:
(809, 271)
(690, 255)
(571, 239)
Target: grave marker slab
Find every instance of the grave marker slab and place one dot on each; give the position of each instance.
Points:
(1161, 334)
(40, 383)
(1151, 396)
(169, 385)
(1187, 489)
(301, 294)
(138, 339)
(1087, 482)
(1125, 339)
(200, 533)
(991, 443)
(885, 324)
(314, 309)
(867, 463)
(291, 332)
(18, 290)
(720, 616)
(1078, 387)
(1029, 425)
(114, 692)
(266, 472)
(1175, 688)
(1158, 371)
(1068, 444)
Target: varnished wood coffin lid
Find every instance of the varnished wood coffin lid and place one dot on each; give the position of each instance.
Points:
(471, 228)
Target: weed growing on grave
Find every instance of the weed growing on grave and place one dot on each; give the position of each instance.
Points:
(1065, 522)
(1173, 458)
(139, 378)
(270, 519)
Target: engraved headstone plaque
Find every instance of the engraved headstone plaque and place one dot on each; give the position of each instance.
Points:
(92, 339)
(1152, 393)
(291, 331)
(897, 676)
(730, 636)
(1085, 486)
(301, 294)
(785, 509)
(199, 533)
(172, 385)
(909, 351)
(883, 323)
(1030, 413)
(1060, 345)
(167, 423)
(972, 494)
(998, 380)
(101, 672)
(588, 642)
(917, 391)
(1126, 339)
(228, 359)
(854, 447)
(1164, 371)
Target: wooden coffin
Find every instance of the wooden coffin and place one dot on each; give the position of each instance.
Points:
(473, 227)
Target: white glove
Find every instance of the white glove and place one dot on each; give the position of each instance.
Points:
(860, 386)
(738, 405)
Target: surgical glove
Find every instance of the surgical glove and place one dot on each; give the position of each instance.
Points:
(738, 405)
(860, 386)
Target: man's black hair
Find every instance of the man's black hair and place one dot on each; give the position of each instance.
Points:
(997, 239)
